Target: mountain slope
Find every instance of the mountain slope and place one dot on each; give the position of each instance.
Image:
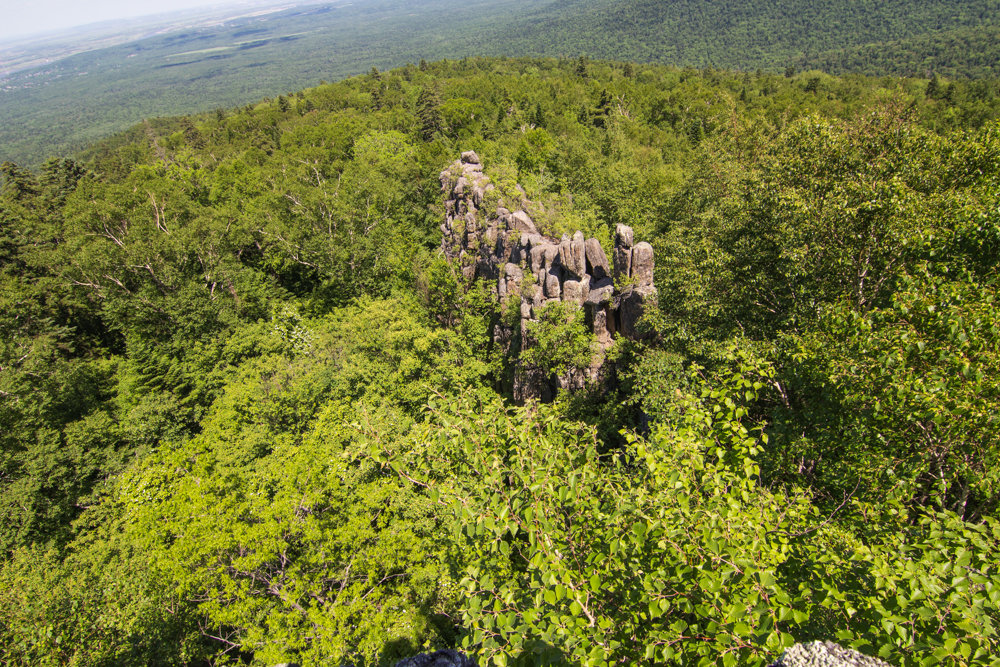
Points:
(67, 104)
(742, 34)
(964, 52)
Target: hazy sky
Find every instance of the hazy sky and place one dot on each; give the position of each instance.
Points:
(26, 17)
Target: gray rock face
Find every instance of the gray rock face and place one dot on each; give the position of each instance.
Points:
(552, 285)
(597, 261)
(445, 658)
(572, 290)
(624, 236)
(537, 258)
(642, 265)
(522, 222)
(504, 248)
(629, 311)
(825, 654)
(510, 281)
(478, 193)
(601, 292)
(603, 323)
(622, 257)
(572, 255)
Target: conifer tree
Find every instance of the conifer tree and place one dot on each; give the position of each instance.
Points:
(696, 132)
(603, 109)
(538, 118)
(193, 136)
(429, 114)
(934, 87)
(18, 182)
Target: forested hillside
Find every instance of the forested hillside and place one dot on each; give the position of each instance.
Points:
(250, 414)
(65, 106)
(964, 52)
(70, 103)
(744, 34)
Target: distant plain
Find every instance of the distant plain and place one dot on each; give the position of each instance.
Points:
(198, 65)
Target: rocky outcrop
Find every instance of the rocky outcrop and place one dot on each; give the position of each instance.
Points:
(825, 654)
(445, 658)
(504, 248)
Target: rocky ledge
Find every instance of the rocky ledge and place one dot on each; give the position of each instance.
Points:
(504, 248)
(825, 654)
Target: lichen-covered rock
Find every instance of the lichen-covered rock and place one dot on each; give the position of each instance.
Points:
(446, 658)
(825, 654)
(642, 265)
(504, 248)
(572, 290)
(478, 194)
(602, 324)
(510, 281)
(601, 291)
(537, 258)
(629, 311)
(622, 256)
(552, 284)
(597, 261)
(578, 255)
(624, 236)
(523, 223)
(573, 255)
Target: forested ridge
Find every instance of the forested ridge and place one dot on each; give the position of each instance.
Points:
(70, 103)
(250, 414)
(748, 34)
(965, 52)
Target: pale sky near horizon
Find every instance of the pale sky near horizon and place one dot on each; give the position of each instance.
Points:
(22, 18)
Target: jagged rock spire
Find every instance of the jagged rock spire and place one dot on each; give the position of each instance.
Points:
(504, 248)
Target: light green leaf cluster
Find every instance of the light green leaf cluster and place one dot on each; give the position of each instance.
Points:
(674, 551)
(559, 341)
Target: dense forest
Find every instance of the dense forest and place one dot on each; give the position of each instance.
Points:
(966, 52)
(250, 415)
(74, 101)
(750, 34)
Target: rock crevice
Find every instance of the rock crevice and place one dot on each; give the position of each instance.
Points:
(505, 249)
